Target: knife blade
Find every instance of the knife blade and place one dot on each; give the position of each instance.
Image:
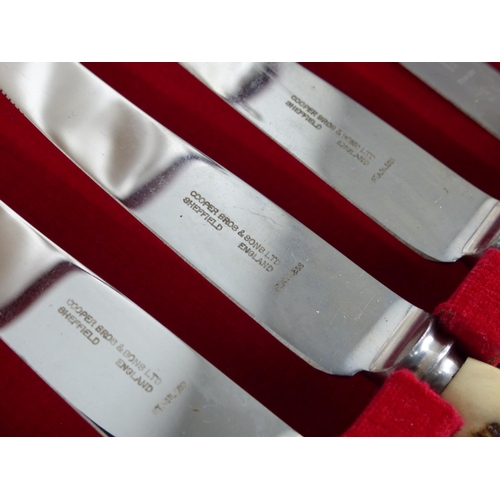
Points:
(407, 191)
(109, 359)
(42, 185)
(242, 237)
(473, 87)
(169, 94)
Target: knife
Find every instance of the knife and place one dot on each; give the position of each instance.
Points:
(407, 191)
(109, 359)
(473, 87)
(304, 292)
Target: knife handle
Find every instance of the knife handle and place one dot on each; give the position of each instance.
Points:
(475, 393)
(470, 386)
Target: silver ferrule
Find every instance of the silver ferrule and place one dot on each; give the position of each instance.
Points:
(486, 235)
(434, 358)
(496, 243)
(420, 347)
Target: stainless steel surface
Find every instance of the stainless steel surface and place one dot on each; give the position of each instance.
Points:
(407, 191)
(473, 87)
(313, 299)
(106, 356)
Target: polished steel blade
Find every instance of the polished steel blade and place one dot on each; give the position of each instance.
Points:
(391, 179)
(473, 87)
(313, 299)
(107, 357)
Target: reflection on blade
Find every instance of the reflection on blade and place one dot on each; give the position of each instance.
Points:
(407, 191)
(107, 357)
(473, 87)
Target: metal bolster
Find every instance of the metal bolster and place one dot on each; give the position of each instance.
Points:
(487, 235)
(496, 243)
(434, 358)
(419, 346)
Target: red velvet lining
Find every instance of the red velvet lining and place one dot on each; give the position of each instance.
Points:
(43, 186)
(406, 407)
(472, 313)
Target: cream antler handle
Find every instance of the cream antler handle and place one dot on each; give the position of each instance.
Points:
(470, 386)
(475, 393)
